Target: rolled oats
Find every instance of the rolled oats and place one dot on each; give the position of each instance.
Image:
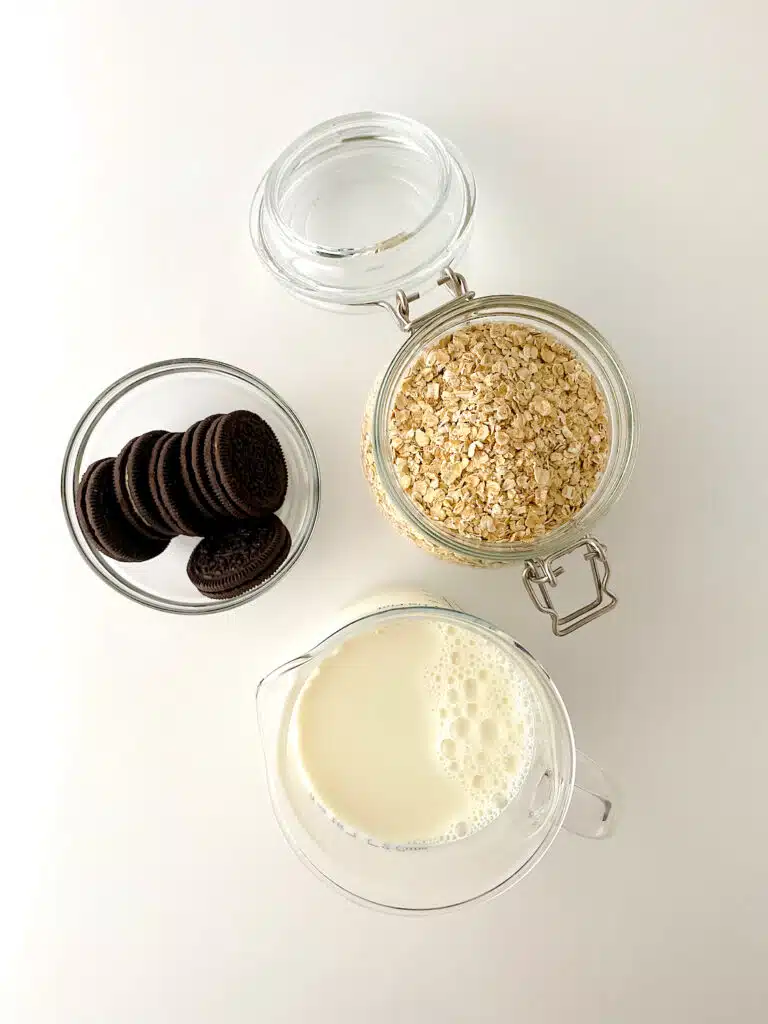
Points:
(499, 433)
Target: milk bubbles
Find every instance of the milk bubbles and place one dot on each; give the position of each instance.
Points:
(484, 718)
(415, 734)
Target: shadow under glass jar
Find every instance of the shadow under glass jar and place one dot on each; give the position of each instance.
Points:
(368, 211)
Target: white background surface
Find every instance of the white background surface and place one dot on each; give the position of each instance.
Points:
(620, 155)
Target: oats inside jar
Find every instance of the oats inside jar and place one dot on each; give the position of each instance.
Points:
(499, 433)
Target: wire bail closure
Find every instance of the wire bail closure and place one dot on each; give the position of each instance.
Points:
(400, 309)
(540, 575)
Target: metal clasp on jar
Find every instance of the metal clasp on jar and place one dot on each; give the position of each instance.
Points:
(541, 574)
(401, 309)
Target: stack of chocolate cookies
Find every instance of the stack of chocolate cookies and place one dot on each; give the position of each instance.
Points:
(223, 479)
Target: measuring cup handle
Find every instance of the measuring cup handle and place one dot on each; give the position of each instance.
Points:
(592, 811)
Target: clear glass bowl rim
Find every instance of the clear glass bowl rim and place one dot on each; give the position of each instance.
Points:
(73, 456)
(585, 340)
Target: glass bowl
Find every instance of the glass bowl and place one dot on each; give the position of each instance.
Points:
(171, 395)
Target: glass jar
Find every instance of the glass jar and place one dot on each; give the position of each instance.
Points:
(369, 210)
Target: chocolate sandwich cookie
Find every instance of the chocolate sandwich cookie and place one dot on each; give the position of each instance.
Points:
(172, 492)
(249, 462)
(80, 510)
(212, 476)
(138, 472)
(197, 457)
(210, 511)
(154, 489)
(108, 528)
(233, 562)
(124, 500)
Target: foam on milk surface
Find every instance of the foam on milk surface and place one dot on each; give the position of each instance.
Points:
(419, 732)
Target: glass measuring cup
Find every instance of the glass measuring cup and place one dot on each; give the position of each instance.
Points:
(563, 789)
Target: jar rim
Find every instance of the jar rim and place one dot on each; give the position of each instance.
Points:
(588, 344)
(402, 130)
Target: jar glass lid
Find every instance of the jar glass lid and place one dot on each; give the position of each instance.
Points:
(362, 206)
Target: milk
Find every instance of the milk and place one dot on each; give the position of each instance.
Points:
(415, 733)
